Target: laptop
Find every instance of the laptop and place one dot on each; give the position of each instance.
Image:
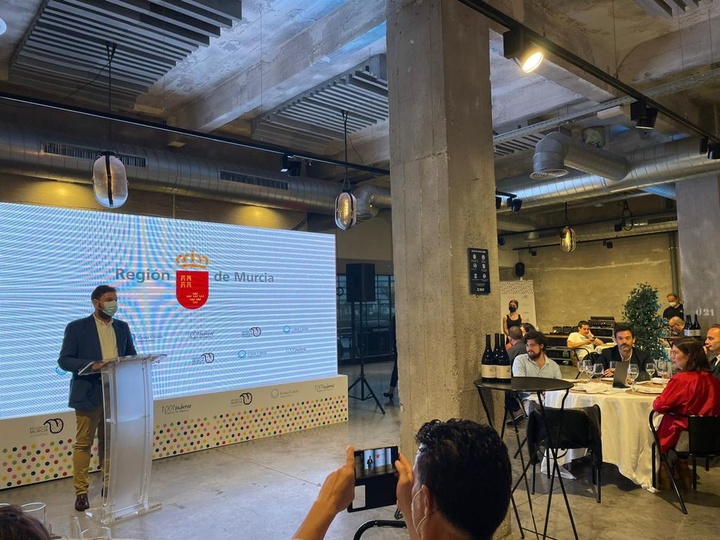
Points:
(620, 377)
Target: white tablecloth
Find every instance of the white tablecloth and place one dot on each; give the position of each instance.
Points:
(626, 436)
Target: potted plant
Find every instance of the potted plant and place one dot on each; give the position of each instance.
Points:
(649, 328)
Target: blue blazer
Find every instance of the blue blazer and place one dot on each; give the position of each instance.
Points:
(81, 345)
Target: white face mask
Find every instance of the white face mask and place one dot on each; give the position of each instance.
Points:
(109, 308)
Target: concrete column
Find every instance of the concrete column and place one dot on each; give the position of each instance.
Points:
(443, 185)
(698, 210)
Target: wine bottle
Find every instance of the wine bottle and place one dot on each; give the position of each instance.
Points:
(696, 328)
(687, 329)
(502, 369)
(488, 362)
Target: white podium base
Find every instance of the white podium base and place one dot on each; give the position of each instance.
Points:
(105, 515)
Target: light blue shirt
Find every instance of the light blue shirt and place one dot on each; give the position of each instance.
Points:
(524, 367)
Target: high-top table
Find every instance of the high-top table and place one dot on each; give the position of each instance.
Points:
(539, 386)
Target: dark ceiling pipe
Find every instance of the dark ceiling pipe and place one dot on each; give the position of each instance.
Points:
(505, 20)
(189, 133)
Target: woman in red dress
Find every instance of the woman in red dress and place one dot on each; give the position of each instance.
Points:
(692, 390)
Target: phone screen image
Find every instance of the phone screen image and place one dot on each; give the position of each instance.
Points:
(375, 478)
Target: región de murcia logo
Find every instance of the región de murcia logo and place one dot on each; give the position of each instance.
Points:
(191, 283)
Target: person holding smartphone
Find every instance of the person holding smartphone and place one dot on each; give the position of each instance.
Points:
(460, 466)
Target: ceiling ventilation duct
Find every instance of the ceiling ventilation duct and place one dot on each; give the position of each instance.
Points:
(649, 167)
(47, 156)
(556, 152)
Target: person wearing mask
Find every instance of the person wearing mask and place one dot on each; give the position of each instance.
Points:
(624, 351)
(712, 348)
(461, 466)
(92, 340)
(675, 309)
(535, 363)
(582, 341)
(692, 390)
(513, 318)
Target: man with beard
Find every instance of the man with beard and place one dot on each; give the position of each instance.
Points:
(624, 352)
(535, 363)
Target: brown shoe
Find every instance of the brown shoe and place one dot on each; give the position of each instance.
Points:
(81, 502)
(682, 474)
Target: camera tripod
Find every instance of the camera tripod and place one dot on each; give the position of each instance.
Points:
(361, 379)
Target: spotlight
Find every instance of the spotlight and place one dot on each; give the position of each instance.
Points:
(501, 240)
(498, 203)
(618, 226)
(643, 115)
(294, 167)
(533, 253)
(285, 163)
(516, 46)
(608, 244)
(515, 204)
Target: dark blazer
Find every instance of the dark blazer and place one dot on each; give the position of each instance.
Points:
(638, 357)
(715, 367)
(81, 345)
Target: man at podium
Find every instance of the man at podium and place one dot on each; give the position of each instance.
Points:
(89, 340)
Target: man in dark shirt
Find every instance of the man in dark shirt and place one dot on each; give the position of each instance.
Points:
(675, 309)
(624, 351)
(517, 345)
(712, 348)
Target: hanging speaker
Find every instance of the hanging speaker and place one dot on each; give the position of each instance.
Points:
(360, 281)
(520, 269)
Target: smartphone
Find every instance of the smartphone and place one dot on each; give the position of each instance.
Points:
(375, 478)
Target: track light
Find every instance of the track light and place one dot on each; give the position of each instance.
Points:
(501, 240)
(533, 253)
(515, 204)
(713, 151)
(643, 115)
(608, 244)
(516, 46)
(498, 203)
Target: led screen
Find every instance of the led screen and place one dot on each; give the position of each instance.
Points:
(231, 306)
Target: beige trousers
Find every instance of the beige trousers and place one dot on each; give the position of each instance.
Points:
(88, 423)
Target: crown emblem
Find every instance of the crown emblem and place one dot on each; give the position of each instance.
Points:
(192, 260)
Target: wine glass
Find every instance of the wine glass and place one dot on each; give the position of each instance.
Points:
(587, 367)
(650, 368)
(662, 368)
(598, 370)
(632, 373)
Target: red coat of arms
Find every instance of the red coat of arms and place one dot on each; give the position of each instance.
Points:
(192, 286)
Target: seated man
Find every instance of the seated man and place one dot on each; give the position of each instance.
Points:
(624, 351)
(517, 345)
(534, 363)
(460, 467)
(712, 348)
(582, 341)
(676, 326)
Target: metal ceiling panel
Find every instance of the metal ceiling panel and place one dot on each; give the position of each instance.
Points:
(64, 49)
(362, 91)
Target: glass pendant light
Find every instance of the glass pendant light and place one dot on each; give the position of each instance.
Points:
(345, 203)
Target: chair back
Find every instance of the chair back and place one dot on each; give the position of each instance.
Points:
(569, 428)
(704, 434)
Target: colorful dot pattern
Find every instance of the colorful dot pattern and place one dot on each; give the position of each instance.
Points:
(44, 461)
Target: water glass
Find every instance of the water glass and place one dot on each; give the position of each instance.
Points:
(587, 367)
(650, 368)
(37, 510)
(612, 365)
(598, 370)
(96, 533)
(68, 528)
(632, 373)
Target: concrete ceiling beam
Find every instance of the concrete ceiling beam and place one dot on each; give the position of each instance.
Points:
(339, 41)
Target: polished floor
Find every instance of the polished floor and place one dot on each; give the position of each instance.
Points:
(262, 489)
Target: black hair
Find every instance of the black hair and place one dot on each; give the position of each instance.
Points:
(16, 525)
(623, 327)
(100, 290)
(583, 323)
(537, 336)
(466, 467)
